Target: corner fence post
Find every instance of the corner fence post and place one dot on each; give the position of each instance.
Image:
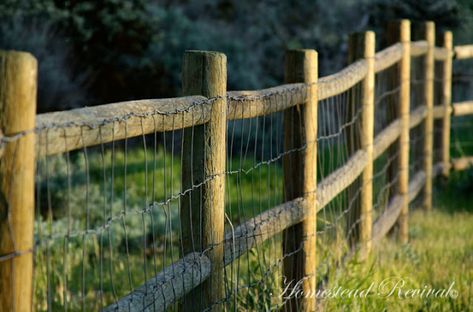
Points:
(18, 83)
(202, 209)
(362, 45)
(400, 31)
(300, 179)
(447, 102)
(429, 32)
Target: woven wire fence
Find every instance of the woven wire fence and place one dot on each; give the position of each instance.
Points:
(111, 197)
(108, 216)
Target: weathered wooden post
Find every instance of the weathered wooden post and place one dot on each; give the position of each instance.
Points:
(447, 102)
(362, 45)
(203, 172)
(429, 33)
(300, 178)
(18, 79)
(400, 31)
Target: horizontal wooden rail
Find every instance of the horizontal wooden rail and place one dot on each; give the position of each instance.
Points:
(387, 220)
(418, 48)
(416, 184)
(417, 116)
(340, 179)
(189, 272)
(163, 290)
(462, 108)
(387, 57)
(441, 54)
(343, 80)
(386, 137)
(59, 132)
(255, 103)
(462, 163)
(463, 52)
(439, 111)
(178, 279)
(262, 227)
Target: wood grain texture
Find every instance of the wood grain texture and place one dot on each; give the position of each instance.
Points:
(162, 291)
(386, 137)
(341, 81)
(59, 132)
(202, 210)
(64, 131)
(404, 114)
(400, 31)
(257, 230)
(446, 100)
(429, 62)
(387, 57)
(251, 104)
(341, 178)
(362, 45)
(300, 129)
(18, 83)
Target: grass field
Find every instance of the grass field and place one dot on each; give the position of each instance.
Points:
(440, 252)
(88, 271)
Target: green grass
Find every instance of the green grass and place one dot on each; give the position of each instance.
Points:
(439, 253)
(88, 271)
(114, 260)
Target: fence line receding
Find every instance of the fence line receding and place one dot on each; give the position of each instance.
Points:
(218, 199)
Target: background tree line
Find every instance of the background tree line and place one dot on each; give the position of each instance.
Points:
(92, 52)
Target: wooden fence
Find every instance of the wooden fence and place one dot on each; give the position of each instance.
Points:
(207, 106)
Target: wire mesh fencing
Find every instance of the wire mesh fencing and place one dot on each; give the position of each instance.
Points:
(176, 205)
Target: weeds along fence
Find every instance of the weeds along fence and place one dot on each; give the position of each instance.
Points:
(224, 199)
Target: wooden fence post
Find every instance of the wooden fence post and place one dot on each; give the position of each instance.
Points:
(18, 77)
(447, 102)
(300, 178)
(400, 31)
(203, 172)
(362, 45)
(429, 32)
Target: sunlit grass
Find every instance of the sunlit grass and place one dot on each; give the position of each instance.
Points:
(439, 253)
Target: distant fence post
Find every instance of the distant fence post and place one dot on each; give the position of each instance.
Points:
(362, 45)
(447, 102)
(400, 31)
(429, 32)
(300, 178)
(18, 81)
(203, 172)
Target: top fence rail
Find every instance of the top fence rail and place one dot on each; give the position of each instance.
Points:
(326, 160)
(78, 128)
